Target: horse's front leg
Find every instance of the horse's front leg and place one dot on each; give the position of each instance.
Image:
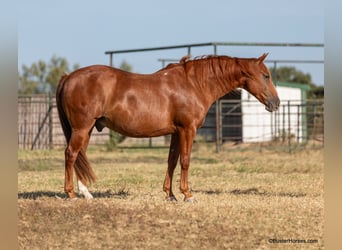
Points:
(186, 141)
(172, 163)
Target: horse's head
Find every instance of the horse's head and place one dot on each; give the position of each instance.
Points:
(257, 80)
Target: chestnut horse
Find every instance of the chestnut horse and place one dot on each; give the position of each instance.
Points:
(173, 100)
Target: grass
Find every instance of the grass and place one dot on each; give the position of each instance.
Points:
(244, 200)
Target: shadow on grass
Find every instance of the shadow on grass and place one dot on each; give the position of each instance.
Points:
(250, 191)
(121, 194)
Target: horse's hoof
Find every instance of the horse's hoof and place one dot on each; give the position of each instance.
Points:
(83, 191)
(88, 196)
(171, 198)
(190, 200)
(71, 195)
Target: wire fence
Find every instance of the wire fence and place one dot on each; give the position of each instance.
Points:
(296, 123)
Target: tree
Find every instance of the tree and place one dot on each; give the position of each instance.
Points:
(126, 66)
(42, 77)
(316, 92)
(291, 74)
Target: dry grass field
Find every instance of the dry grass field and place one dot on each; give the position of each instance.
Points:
(246, 199)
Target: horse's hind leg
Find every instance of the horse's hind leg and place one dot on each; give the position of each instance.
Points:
(82, 188)
(172, 163)
(77, 140)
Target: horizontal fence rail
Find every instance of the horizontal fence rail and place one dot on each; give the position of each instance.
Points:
(239, 121)
(214, 45)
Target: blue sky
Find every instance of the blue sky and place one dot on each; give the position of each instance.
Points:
(82, 31)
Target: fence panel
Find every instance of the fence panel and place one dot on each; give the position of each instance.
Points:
(32, 110)
(39, 126)
(296, 122)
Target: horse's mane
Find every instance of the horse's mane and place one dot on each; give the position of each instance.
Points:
(187, 58)
(181, 62)
(221, 67)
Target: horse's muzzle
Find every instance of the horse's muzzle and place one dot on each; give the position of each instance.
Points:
(272, 104)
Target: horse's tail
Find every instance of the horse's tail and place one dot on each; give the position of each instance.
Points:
(82, 167)
(61, 113)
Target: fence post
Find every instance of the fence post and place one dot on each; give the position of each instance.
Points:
(283, 127)
(50, 121)
(289, 125)
(218, 127)
(298, 124)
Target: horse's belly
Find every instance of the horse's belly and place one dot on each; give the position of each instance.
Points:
(140, 125)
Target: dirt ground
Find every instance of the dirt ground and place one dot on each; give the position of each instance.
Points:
(245, 199)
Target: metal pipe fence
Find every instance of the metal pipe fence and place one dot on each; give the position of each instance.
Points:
(296, 123)
(238, 121)
(39, 126)
(214, 45)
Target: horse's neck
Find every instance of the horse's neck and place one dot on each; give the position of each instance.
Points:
(217, 82)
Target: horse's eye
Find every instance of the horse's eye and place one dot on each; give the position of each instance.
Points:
(266, 76)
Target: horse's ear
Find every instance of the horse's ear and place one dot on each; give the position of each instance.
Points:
(262, 57)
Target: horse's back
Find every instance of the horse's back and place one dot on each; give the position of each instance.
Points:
(86, 90)
(91, 83)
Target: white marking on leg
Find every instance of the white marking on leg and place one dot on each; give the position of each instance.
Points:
(83, 190)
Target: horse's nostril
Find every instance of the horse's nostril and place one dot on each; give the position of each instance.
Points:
(272, 104)
(275, 102)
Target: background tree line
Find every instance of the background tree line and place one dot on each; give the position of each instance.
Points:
(293, 75)
(43, 77)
